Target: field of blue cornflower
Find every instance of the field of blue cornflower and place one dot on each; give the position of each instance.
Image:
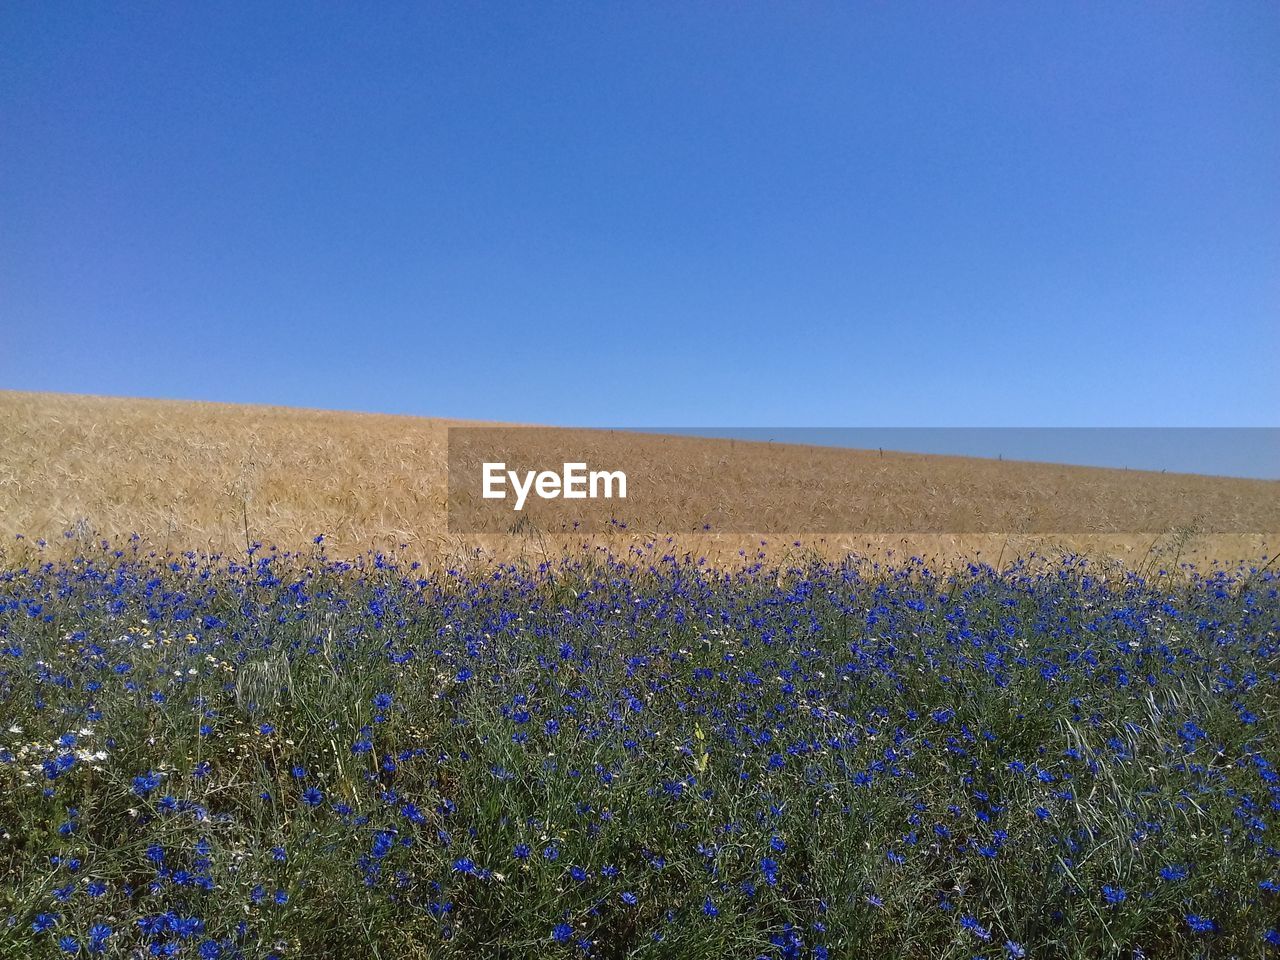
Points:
(290, 756)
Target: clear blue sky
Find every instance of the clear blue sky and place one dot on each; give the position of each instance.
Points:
(656, 213)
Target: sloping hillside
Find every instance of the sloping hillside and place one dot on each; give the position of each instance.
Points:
(187, 475)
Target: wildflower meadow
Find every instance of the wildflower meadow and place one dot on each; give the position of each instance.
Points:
(287, 755)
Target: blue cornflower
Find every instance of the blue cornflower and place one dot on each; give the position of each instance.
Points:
(313, 796)
(1200, 924)
(99, 934)
(144, 783)
(153, 925)
(382, 701)
(521, 851)
(383, 842)
(1014, 950)
(769, 867)
(1173, 872)
(1114, 895)
(68, 944)
(185, 927)
(561, 933)
(551, 852)
(710, 909)
(45, 921)
(629, 898)
(971, 924)
(59, 765)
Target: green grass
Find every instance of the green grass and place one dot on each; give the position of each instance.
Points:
(839, 760)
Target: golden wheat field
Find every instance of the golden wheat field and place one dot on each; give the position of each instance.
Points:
(204, 476)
